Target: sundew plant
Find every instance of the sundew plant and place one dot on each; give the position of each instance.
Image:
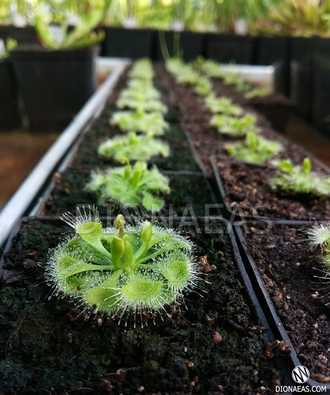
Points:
(255, 149)
(140, 121)
(319, 236)
(300, 179)
(142, 69)
(257, 92)
(222, 105)
(130, 186)
(138, 101)
(133, 147)
(122, 269)
(235, 127)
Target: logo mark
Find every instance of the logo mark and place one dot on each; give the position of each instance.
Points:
(300, 374)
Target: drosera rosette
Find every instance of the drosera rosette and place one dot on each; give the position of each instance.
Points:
(213, 69)
(131, 270)
(130, 186)
(134, 147)
(183, 73)
(142, 87)
(235, 127)
(142, 69)
(140, 121)
(255, 149)
(300, 179)
(138, 102)
(257, 92)
(319, 236)
(203, 86)
(222, 105)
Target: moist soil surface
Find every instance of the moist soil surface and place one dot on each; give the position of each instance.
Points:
(50, 346)
(290, 269)
(248, 193)
(189, 195)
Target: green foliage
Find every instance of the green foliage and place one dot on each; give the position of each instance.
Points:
(136, 269)
(319, 236)
(203, 86)
(300, 179)
(137, 89)
(129, 186)
(254, 150)
(10, 44)
(140, 121)
(231, 78)
(183, 73)
(213, 69)
(137, 101)
(81, 36)
(133, 147)
(142, 69)
(257, 92)
(236, 127)
(222, 105)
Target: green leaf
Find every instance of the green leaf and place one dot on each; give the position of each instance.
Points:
(141, 290)
(176, 270)
(151, 203)
(307, 166)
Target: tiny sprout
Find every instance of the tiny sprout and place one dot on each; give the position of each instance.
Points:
(133, 147)
(254, 150)
(129, 186)
(300, 179)
(236, 127)
(131, 270)
(222, 105)
(140, 121)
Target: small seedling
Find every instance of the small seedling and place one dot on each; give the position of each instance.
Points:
(203, 86)
(257, 92)
(183, 73)
(147, 93)
(128, 186)
(222, 105)
(300, 179)
(136, 269)
(133, 147)
(232, 78)
(140, 121)
(235, 127)
(138, 101)
(254, 150)
(142, 69)
(213, 69)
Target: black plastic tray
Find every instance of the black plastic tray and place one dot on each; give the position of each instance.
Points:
(265, 299)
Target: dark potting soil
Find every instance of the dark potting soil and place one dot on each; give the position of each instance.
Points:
(189, 196)
(288, 267)
(248, 193)
(49, 346)
(179, 159)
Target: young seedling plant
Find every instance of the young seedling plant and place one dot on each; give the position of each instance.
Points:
(142, 69)
(137, 101)
(132, 270)
(254, 150)
(257, 92)
(140, 121)
(319, 236)
(235, 127)
(133, 147)
(300, 179)
(131, 187)
(222, 105)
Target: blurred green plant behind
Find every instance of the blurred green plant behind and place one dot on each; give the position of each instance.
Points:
(281, 17)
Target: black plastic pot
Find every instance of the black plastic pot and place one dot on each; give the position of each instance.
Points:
(127, 43)
(226, 48)
(23, 35)
(275, 51)
(191, 45)
(321, 85)
(302, 55)
(9, 110)
(54, 84)
(266, 301)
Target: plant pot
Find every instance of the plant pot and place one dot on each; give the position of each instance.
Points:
(10, 116)
(321, 85)
(227, 48)
(190, 195)
(302, 55)
(191, 45)
(281, 266)
(244, 191)
(127, 43)
(211, 341)
(274, 51)
(54, 84)
(23, 35)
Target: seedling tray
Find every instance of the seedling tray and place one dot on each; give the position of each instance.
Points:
(105, 353)
(275, 258)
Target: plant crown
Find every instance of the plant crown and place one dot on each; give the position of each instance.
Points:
(300, 179)
(140, 121)
(236, 127)
(136, 269)
(222, 105)
(129, 186)
(254, 150)
(133, 147)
